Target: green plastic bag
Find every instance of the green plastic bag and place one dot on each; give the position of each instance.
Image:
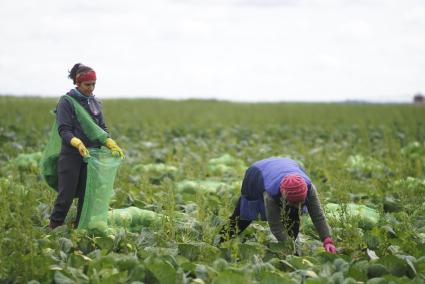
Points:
(51, 152)
(102, 168)
(49, 160)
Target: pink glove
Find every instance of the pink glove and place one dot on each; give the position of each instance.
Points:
(329, 246)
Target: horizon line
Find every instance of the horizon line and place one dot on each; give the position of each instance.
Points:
(141, 97)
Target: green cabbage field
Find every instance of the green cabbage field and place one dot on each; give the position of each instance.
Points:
(184, 164)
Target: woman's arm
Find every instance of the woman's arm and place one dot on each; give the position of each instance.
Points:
(101, 119)
(317, 215)
(274, 218)
(65, 116)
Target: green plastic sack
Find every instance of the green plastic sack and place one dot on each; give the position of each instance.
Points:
(49, 160)
(51, 152)
(101, 171)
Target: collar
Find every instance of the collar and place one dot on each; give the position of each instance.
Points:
(80, 95)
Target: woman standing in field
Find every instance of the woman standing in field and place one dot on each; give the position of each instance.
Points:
(276, 189)
(72, 170)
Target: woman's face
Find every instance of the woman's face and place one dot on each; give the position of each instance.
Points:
(292, 204)
(86, 87)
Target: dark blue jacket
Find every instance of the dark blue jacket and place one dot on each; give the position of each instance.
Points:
(68, 125)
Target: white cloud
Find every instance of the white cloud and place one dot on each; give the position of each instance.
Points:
(228, 49)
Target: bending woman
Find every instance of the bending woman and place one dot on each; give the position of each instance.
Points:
(276, 189)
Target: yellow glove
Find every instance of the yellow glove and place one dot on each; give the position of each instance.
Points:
(77, 143)
(115, 149)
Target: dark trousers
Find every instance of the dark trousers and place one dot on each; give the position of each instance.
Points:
(236, 225)
(72, 175)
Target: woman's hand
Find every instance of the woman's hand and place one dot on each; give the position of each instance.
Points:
(329, 246)
(77, 143)
(115, 149)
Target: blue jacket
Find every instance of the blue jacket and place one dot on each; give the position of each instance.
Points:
(266, 175)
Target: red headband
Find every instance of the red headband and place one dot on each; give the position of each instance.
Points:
(86, 76)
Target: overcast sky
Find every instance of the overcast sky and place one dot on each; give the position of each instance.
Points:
(241, 50)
